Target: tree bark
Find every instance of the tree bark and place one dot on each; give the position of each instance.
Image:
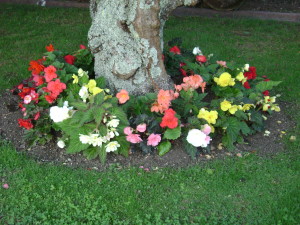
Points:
(126, 38)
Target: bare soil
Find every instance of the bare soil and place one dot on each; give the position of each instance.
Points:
(256, 144)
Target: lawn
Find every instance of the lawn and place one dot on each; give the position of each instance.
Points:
(247, 190)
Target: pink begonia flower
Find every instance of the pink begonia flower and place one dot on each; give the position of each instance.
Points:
(141, 127)
(27, 99)
(154, 139)
(222, 63)
(207, 140)
(82, 47)
(134, 138)
(128, 130)
(5, 186)
(206, 129)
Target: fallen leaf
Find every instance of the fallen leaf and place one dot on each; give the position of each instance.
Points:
(293, 138)
(239, 155)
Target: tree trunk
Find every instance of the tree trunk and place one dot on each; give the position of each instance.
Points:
(126, 38)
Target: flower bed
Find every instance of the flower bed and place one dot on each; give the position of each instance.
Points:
(62, 100)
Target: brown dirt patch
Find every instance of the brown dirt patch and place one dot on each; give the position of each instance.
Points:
(258, 144)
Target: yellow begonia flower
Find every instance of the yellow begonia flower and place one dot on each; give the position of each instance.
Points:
(225, 105)
(91, 85)
(233, 109)
(75, 81)
(240, 76)
(266, 107)
(211, 117)
(212, 129)
(276, 108)
(96, 90)
(247, 107)
(225, 80)
(269, 99)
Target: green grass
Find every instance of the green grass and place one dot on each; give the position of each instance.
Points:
(248, 190)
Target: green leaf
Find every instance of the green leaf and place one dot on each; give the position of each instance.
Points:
(98, 113)
(233, 128)
(120, 114)
(240, 114)
(124, 145)
(101, 82)
(256, 117)
(58, 65)
(70, 69)
(190, 149)
(99, 98)
(80, 105)
(266, 85)
(164, 147)
(228, 142)
(75, 145)
(194, 121)
(244, 128)
(88, 116)
(172, 134)
(91, 153)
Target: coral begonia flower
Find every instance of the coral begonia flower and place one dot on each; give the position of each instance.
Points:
(36, 67)
(122, 96)
(50, 99)
(39, 80)
(201, 58)
(56, 87)
(169, 120)
(50, 73)
(26, 123)
(175, 50)
(70, 59)
(50, 48)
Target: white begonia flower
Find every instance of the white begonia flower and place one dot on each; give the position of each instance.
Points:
(197, 51)
(81, 72)
(112, 133)
(113, 123)
(61, 144)
(197, 138)
(92, 139)
(84, 139)
(112, 146)
(95, 140)
(84, 93)
(246, 67)
(59, 114)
